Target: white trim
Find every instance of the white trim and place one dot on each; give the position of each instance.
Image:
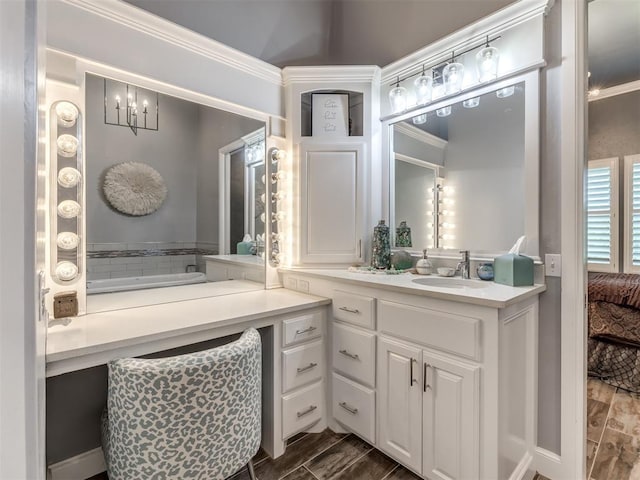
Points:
(508, 17)
(224, 159)
(548, 463)
(331, 74)
(420, 135)
(614, 213)
(572, 215)
(629, 161)
(149, 24)
(254, 137)
(418, 162)
(81, 466)
(522, 469)
(616, 90)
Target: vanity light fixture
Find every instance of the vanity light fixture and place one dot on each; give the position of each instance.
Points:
(67, 240)
(398, 98)
(68, 177)
(505, 92)
(423, 86)
(278, 155)
(453, 75)
(487, 63)
(419, 119)
(67, 145)
(67, 114)
(66, 271)
(471, 102)
(69, 209)
(444, 111)
(277, 176)
(128, 113)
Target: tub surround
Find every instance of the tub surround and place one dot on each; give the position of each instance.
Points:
(491, 294)
(234, 267)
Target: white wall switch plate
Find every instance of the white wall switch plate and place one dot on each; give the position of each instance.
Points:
(552, 265)
(291, 283)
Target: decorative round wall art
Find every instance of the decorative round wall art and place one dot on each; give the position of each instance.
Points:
(134, 188)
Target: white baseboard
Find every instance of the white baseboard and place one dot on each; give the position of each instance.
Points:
(523, 470)
(80, 467)
(548, 464)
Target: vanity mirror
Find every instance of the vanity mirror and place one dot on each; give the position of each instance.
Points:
(464, 172)
(177, 164)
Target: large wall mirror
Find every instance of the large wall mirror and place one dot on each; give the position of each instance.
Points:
(154, 192)
(464, 174)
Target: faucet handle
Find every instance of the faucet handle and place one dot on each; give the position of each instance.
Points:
(465, 254)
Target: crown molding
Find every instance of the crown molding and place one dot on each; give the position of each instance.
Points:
(331, 74)
(508, 17)
(420, 135)
(150, 24)
(617, 90)
(254, 137)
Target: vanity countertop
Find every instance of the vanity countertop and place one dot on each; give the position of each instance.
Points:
(96, 338)
(247, 260)
(490, 295)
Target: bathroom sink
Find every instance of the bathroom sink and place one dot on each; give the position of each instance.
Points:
(443, 282)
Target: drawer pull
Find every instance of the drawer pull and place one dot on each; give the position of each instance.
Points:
(349, 310)
(306, 330)
(354, 356)
(308, 367)
(307, 411)
(351, 410)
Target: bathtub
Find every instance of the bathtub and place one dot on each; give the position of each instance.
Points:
(149, 281)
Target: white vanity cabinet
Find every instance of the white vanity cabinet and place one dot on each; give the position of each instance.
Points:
(332, 221)
(443, 382)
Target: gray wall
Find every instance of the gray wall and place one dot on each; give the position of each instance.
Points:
(411, 147)
(172, 151)
(614, 126)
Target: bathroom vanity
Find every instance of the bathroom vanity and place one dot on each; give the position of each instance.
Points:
(440, 377)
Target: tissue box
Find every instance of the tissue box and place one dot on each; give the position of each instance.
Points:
(514, 270)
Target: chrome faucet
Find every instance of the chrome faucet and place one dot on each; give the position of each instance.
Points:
(463, 265)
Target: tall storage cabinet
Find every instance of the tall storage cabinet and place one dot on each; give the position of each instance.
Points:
(333, 170)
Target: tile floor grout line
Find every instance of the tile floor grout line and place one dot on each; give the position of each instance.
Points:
(392, 470)
(312, 474)
(309, 459)
(599, 442)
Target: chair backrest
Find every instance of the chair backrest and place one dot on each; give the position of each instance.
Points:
(189, 416)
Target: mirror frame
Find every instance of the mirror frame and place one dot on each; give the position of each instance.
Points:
(531, 81)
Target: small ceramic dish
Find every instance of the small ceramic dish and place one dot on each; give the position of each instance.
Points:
(446, 271)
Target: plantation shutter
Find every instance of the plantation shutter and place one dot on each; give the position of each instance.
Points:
(602, 215)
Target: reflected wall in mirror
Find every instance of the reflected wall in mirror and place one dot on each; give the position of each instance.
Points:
(476, 150)
(173, 240)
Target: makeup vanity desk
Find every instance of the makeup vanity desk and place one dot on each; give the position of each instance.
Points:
(297, 324)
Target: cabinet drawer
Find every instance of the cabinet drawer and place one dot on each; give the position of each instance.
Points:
(301, 329)
(356, 309)
(445, 331)
(302, 409)
(354, 353)
(354, 406)
(301, 365)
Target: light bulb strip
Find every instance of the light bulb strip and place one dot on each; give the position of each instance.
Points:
(421, 67)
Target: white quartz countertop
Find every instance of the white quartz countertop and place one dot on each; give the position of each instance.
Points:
(489, 295)
(246, 260)
(93, 339)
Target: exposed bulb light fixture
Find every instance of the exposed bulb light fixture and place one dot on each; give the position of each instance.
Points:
(129, 114)
(505, 92)
(423, 86)
(398, 98)
(66, 271)
(444, 111)
(278, 155)
(453, 75)
(69, 209)
(68, 177)
(67, 240)
(420, 119)
(471, 102)
(67, 114)
(487, 63)
(67, 145)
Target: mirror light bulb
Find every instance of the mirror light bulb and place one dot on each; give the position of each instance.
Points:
(67, 145)
(67, 240)
(487, 64)
(420, 119)
(443, 112)
(453, 74)
(423, 86)
(69, 209)
(505, 92)
(398, 99)
(278, 155)
(66, 271)
(471, 102)
(67, 114)
(68, 177)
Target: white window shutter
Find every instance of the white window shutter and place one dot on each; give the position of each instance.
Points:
(602, 215)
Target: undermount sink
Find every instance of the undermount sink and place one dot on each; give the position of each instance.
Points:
(443, 282)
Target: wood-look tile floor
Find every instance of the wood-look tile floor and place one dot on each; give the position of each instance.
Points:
(325, 456)
(613, 432)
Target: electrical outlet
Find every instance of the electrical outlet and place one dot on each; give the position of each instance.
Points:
(291, 283)
(552, 265)
(303, 286)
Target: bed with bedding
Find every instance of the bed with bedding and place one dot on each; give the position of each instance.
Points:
(614, 329)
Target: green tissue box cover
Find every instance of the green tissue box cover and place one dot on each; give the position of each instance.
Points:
(514, 270)
(244, 248)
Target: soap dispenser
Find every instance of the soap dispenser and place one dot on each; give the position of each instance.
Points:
(423, 266)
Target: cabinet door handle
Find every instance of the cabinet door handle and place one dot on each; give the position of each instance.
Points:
(351, 410)
(349, 310)
(353, 356)
(306, 330)
(307, 411)
(308, 367)
(426, 381)
(411, 379)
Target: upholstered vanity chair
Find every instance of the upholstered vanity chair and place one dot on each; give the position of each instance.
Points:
(190, 416)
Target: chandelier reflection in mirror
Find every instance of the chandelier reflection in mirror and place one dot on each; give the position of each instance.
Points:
(127, 105)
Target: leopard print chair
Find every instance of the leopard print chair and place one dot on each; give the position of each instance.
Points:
(195, 416)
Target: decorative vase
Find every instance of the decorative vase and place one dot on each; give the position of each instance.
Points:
(403, 235)
(423, 266)
(402, 260)
(381, 257)
(485, 271)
